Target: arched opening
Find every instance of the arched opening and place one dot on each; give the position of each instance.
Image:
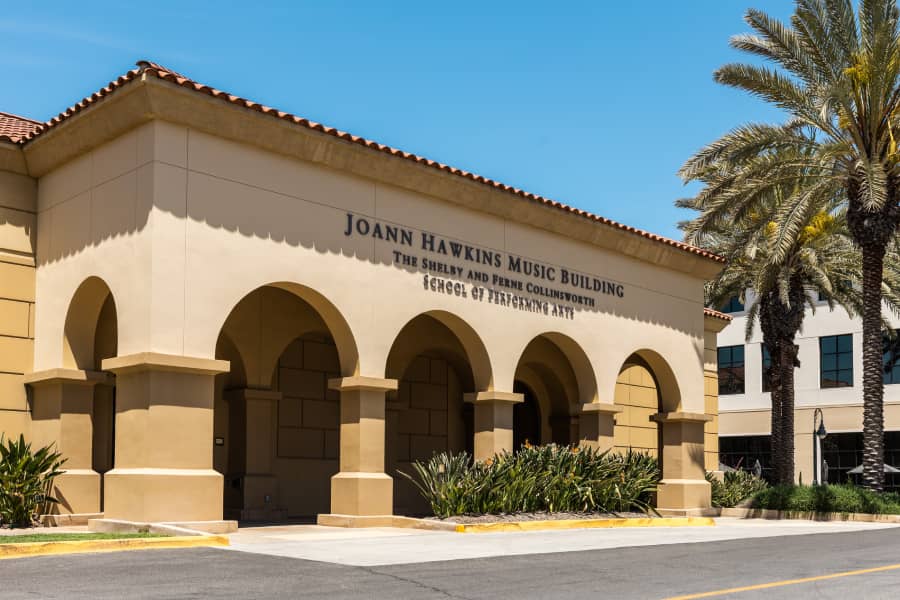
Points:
(637, 394)
(276, 422)
(437, 359)
(91, 335)
(526, 417)
(645, 386)
(555, 378)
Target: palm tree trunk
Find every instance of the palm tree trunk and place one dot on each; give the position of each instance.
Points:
(777, 447)
(873, 382)
(786, 361)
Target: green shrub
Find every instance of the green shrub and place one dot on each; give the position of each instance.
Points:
(844, 498)
(537, 478)
(735, 487)
(26, 478)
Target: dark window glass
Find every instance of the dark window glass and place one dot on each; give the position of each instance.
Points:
(766, 369)
(843, 451)
(836, 361)
(731, 370)
(743, 452)
(892, 359)
(733, 305)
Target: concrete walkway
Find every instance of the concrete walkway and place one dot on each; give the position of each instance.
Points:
(377, 546)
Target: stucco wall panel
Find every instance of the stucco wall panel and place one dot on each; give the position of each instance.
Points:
(265, 170)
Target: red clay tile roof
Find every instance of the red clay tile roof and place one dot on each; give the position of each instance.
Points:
(14, 128)
(153, 69)
(709, 312)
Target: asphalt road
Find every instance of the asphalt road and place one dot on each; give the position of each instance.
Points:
(621, 573)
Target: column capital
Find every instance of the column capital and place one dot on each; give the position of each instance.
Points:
(601, 408)
(494, 397)
(680, 417)
(360, 383)
(154, 361)
(66, 376)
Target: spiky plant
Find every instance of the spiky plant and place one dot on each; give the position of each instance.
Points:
(835, 71)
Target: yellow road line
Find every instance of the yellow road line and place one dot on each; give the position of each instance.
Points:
(763, 586)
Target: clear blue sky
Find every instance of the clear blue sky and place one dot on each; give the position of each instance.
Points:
(595, 104)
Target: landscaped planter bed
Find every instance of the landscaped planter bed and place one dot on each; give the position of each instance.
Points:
(539, 516)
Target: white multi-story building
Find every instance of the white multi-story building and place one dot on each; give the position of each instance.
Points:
(829, 378)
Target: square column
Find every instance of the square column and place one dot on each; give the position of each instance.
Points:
(683, 485)
(362, 488)
(493, 422)
(164, 440)
(62, 415)
(252, 421)
(598, 424)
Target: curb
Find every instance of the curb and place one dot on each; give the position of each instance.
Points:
(585, 524)
(762, 513)
(13, 550)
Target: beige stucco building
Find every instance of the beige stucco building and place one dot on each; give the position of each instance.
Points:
(219, 310)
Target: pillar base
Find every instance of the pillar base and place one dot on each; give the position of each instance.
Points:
(683, 494)
(163, 495)
(78, 492)
(357, 493)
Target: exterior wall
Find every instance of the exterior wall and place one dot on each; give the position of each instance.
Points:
(157, 212)
(638, 396)
(308, 422)
(423, 417)
(748, 414)
(18, 235)
(711, 394)
(215, 250)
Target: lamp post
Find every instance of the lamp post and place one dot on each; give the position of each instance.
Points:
(819, 434)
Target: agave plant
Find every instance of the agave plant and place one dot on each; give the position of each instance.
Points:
(537, 478)
(26, 481)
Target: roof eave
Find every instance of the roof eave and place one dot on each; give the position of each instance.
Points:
(145, 97)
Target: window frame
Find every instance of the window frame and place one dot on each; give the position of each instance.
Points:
(731, 375)
(837, 371)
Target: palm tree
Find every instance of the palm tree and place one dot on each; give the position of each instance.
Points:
(821, 260)
(835, 72)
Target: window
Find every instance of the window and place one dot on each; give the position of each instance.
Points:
(766, 369)
(892, 359)
(733, 305)
(743, 452)
(836, 361)
(731, 370)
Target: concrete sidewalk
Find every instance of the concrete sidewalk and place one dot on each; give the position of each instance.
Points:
(376, 546)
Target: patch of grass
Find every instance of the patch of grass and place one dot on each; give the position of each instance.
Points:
(845, 498)
(68, 537)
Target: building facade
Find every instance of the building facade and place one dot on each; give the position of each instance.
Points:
(216, 309)
(829, 378)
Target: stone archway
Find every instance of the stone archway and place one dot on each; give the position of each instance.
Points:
(437, 359)
(74, 407)
(555, 372)
(276, 422)
(653, 420)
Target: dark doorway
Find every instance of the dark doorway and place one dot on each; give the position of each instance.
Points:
(526, 418)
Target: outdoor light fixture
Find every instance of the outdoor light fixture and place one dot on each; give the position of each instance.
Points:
(819, 434)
